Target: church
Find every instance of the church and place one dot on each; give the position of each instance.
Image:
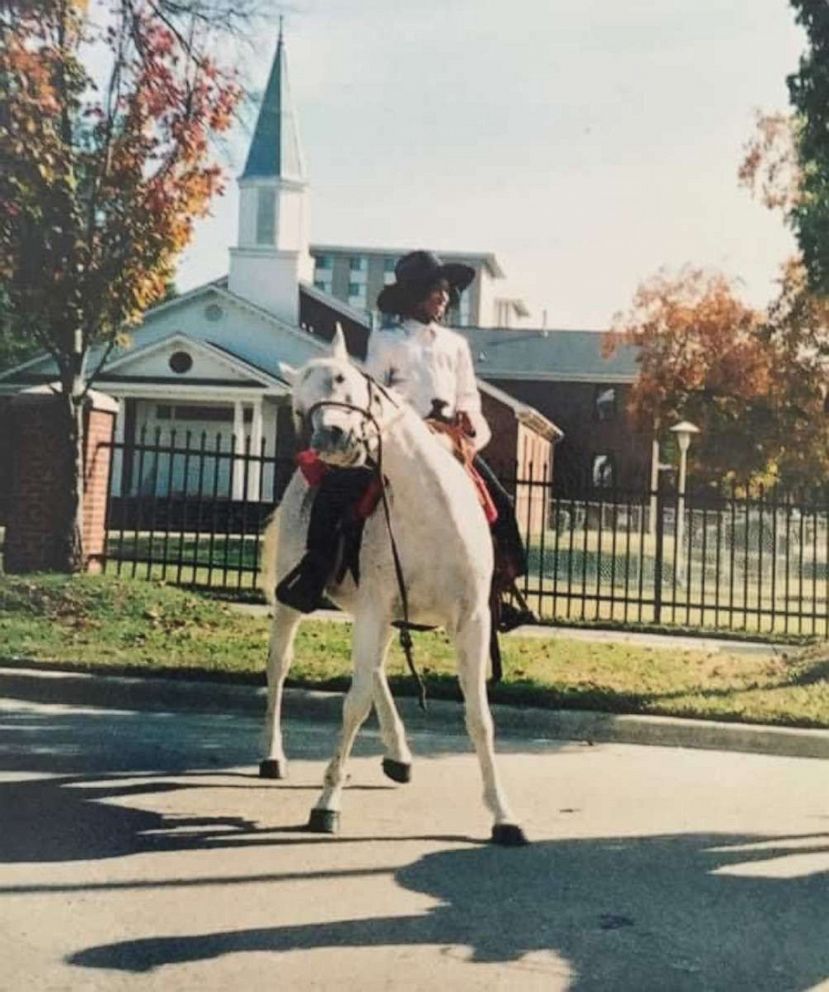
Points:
(210, 362)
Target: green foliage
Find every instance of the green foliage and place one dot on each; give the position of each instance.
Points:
(100, 623)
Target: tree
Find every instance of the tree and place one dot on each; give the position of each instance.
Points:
(101, 178)
(701, 357)
(809, 95)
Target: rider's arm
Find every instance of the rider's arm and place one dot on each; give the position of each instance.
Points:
(468, 399)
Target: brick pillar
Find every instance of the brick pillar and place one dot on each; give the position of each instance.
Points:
(40, 477)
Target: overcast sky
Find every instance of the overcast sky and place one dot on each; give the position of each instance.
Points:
(585, 142)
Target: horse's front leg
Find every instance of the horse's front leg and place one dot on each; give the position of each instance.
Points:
(397, 759)
(280, 656)
(370, 640)
(472, 642)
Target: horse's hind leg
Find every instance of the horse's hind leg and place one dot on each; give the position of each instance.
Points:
(280, 656)
(370, 639)
(472, 641)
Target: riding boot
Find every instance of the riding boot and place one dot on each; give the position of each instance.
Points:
(510, 557)
(303, 588)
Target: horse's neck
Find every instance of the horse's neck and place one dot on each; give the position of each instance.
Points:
(410, 455)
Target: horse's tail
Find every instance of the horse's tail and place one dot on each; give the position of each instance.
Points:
(267, 557)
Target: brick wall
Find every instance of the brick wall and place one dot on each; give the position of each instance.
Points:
(39, 482)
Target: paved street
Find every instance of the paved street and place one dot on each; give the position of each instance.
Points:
(137, 851)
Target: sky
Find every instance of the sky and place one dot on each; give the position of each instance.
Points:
(586, 143)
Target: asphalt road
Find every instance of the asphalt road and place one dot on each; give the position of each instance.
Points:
(138, 851)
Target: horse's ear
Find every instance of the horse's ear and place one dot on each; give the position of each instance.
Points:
(338, 348)
(288, 373)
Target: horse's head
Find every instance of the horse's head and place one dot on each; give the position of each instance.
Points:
(337, 404)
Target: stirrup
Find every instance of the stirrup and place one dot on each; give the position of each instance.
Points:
(303, 587)
(510, 616)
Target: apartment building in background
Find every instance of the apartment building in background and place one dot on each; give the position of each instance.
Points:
(355, 275)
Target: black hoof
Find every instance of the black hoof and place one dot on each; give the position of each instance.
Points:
(324, 821)
(271, 768)
(397, 771)
(508, 835)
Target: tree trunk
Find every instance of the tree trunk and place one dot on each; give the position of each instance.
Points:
(70, 543)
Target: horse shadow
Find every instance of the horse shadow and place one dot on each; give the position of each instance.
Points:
(682, 911)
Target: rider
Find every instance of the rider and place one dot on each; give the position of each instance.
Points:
(431, 367)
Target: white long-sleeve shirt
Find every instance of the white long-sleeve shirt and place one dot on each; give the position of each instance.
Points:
(428, 362)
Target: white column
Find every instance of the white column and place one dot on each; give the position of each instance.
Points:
(238, 475)
(254, 465)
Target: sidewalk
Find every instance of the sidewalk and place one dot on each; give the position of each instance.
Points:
(512, 722)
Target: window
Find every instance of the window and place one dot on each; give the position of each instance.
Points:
(357, 289)
(181, 362)
(266, 217)
(603, 471)
(213, 312)
(323, 261)
(322, 284)
(357, 264)
(389, 264)
(604, 403)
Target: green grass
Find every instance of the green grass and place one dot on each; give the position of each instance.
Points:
(101, 623)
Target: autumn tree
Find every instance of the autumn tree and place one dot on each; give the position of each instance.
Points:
(701, 357)
(102, 173)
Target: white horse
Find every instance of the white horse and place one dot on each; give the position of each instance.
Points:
(445, 551)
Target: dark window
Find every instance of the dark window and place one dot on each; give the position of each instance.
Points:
(388, 264)
(181, 362)
(356, 289)
(323, 261)
(213, 311)
(604, 403)
(603, 471)
(357, 263)
(266, 216)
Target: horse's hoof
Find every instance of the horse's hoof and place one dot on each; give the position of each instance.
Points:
(271, 768)
(324, 821)
(397, 771)
(508, 835)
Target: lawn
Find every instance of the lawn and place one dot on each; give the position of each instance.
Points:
(102, 623)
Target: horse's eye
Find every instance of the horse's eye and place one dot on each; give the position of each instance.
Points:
(339, 378)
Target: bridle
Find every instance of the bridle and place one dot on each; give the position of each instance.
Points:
(375, 462)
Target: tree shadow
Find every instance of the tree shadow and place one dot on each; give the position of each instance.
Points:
(623, 913)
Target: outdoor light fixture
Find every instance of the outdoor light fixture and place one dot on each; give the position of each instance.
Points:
(684, 431)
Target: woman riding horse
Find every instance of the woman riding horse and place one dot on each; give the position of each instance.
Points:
(431, 367)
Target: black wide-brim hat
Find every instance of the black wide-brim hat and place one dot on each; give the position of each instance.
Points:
(415, 274)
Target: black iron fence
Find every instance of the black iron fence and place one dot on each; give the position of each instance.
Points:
(190, 510)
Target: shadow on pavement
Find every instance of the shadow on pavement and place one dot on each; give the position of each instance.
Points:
(624, 913)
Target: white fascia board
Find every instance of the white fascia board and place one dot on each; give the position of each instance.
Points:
(228, 361)
(182, 393)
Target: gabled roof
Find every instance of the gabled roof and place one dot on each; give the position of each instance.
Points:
(552, 355)
(233, 368)
(275, 151)
(524, 413)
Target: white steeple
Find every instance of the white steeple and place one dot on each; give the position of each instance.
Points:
(272, 254)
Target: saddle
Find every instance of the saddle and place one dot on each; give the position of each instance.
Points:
(464, 451)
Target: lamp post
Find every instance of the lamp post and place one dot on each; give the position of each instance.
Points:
(684, 431)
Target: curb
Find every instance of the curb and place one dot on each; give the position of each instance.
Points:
(512, 722)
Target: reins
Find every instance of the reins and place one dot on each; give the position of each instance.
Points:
(405, 637)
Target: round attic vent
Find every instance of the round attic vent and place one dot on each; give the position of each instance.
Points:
(213, 312)
(181, 362)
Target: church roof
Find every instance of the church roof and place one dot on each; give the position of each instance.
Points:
(555, 355)
(276, 151)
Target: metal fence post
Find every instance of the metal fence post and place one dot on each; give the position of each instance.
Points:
(660, 548)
